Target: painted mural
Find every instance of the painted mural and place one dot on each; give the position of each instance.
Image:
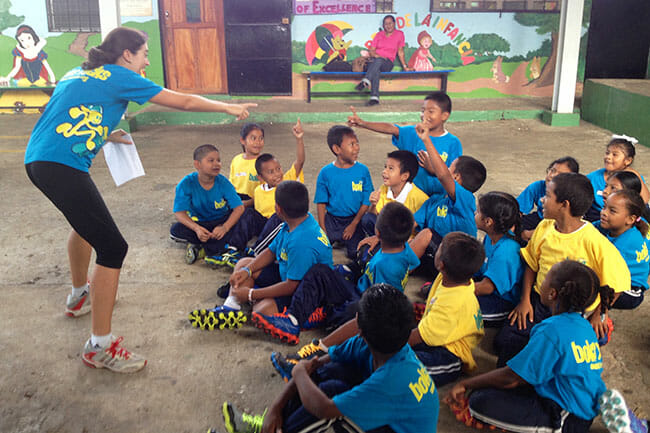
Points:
(492, 54)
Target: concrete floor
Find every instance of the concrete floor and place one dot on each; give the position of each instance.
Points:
(45, 387)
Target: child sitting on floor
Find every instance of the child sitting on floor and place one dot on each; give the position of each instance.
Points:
(619, 156)
(498, 282)
(261, 220)
(436, 109)
(621, 223)
(343, 190)
(554, 383)
(531, 197)
(269, 280)
(323, 290)
(374, 379)
(206, 207)
(562, 234)
(399, 171)
(242, 167)
(450, 327)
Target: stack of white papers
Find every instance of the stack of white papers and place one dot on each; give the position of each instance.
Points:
(123, 161)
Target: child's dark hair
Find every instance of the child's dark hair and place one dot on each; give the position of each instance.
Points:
(394, 224)
(293, 198)
(408, 162)
(265, 157)
(628, 179)
(578, 286)
(461, 255)
(503, 208)
(576, 189)
(625, 145)
(336, 133)
(635, 206)
(569, 162)
(385, 318)
(113, 45)
(201, 151)
(247, 129)
(441, 99)
(472, 172)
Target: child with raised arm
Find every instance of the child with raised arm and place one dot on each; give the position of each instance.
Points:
(621, 223)
(555, 382)
(323, 294)
(436, 109)
(242, 167)
(343, 190)
(206, 207)
(261, 219)
(562, 234)
(374, 379)
(269, 280)
(531, 198)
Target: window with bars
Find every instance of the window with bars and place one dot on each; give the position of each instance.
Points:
(494, 6)
(384, 6)
(73, 15)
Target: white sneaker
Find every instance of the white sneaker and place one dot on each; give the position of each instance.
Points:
(76, 306)
(114, 357)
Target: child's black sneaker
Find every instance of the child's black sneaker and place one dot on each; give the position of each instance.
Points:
(223, 290)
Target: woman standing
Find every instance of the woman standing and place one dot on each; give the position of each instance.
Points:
(85, 107)
(385, 46)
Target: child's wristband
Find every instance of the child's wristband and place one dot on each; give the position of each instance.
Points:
(247, 269)
(250, 295)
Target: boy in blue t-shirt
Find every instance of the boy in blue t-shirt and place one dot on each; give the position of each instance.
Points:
(455, 210)
(436, 109)
(271, 278)
(343, 190)
(206, 206)
(375, 378)
(324, 294)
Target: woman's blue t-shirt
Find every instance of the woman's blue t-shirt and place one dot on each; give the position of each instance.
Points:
(84, 109)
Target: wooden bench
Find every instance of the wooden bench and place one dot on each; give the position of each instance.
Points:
(19, 106)
(442, 73)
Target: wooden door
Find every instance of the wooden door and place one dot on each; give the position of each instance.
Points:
(193, 45)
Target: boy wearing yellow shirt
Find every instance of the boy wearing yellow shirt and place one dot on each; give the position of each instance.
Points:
(261, 220)
(400, 169)
(242, 167)
(452, 324)
(562, 234)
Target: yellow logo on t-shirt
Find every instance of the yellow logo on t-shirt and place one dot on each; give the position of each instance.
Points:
(444, 156)
(442, 211)
(423, 385)
(284, 256)
(642, 256)
(89, 125)
(589, 353)
(220, 204)
(323, 238)
(358, 186)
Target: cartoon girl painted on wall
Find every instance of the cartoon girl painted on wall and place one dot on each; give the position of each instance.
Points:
(420, 58)
(30, 61)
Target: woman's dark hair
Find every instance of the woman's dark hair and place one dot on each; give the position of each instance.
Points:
(578, 286)
(628, 179)
(26, 29)
(625, 145)
(635, 206)
(503, 208)
(113, 45)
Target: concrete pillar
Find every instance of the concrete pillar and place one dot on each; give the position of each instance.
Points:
(566, 69)
(109, 15)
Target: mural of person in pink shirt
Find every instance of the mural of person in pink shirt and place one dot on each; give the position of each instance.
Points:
(385, 46)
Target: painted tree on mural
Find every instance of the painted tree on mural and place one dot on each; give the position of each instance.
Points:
(485, 44)
(549, 23)
(7, 19)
